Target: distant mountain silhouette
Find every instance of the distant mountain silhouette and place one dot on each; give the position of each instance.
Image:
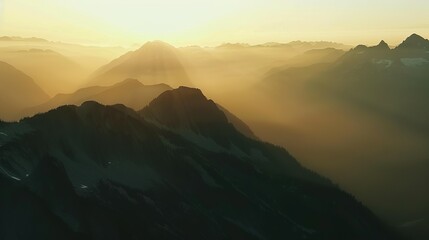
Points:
(130, 92)
(389, 82)
(415, 42)
(233, 45)
(22, 39)
(311, 57)
(53, 71)
(293, 46)
(17, 91)
(176, 170)
(154, 63)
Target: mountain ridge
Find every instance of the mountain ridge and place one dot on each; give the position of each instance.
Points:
(136, 179)
(130, 92)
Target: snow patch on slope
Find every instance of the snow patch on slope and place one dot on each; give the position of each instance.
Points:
(414, 62)
(10, 175)
(383, 62)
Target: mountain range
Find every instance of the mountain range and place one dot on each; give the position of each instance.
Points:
(177, 169)
(300, 46)
(129, 92)
(392, 83)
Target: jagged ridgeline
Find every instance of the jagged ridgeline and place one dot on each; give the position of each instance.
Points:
(178, 169)
(390, 83)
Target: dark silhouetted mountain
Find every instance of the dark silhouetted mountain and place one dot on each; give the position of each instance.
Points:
(392, 83)
(154, 63)
(382, 46)
(187, 109)
(415, 42)
(130, 92)
(176, 170)
(375, 88)
(17, 91)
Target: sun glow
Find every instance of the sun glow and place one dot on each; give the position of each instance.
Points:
(206, 22)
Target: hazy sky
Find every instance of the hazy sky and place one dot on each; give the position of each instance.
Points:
(209, 22)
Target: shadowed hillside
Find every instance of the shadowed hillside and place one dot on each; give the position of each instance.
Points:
(176, 170)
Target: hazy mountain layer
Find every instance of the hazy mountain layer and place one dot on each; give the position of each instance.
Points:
(390, 83)
(154, 63)
(52, 71)
(130, 92)
(17, 91)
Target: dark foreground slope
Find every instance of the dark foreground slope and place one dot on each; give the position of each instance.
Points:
(175, 170)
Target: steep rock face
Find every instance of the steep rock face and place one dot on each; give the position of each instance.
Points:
(127, 175)
(154, 63)
(17, 91)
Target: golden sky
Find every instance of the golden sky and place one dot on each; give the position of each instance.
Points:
(208, 22)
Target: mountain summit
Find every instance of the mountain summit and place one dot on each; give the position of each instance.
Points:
(382, 46)
(188, 110)
(185, 108)
(154, 63)
(414, 42)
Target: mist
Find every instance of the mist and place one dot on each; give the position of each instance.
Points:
(374, 151)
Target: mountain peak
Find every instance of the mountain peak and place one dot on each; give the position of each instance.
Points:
(191, 91)
(415, 36)
(156, 45)
(129, 81)
(153, 63)
(187, 109)
(415, 41)
(382, 46)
